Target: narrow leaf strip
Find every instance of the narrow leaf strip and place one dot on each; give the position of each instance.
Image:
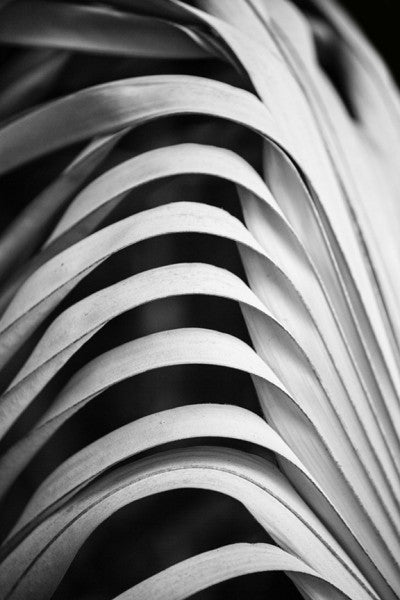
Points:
(251, 480)
(98, 29)
(26, 232)
(209, 568)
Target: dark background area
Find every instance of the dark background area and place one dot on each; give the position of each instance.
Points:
(380, 21)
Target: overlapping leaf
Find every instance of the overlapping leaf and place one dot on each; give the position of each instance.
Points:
(318, 245)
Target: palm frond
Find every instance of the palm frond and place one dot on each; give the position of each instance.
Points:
(173, 161)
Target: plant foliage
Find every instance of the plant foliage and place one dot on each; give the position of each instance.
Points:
(199, 291)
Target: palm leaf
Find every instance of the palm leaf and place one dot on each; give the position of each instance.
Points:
(222, 122)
